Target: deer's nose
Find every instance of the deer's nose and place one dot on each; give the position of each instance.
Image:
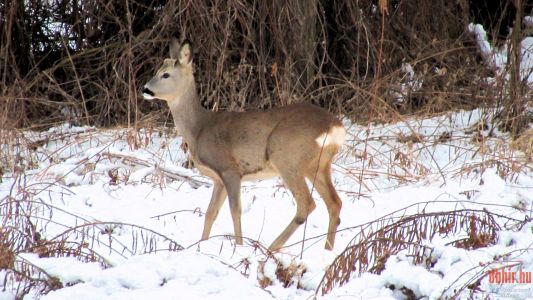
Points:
(147, 93)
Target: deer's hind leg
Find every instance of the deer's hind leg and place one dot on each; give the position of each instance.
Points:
(321, 179)
(304, 206)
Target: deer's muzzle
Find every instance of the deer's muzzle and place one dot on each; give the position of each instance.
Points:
(147, 94)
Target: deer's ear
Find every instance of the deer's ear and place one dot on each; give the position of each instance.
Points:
(175, 48)
(185, 54)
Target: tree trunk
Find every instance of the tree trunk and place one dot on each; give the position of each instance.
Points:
(514, 118)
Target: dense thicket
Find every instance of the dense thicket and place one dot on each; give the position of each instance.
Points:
(85, 60)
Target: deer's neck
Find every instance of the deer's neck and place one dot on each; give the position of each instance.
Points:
(189, 115)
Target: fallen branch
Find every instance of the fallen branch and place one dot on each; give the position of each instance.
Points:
(193, 182)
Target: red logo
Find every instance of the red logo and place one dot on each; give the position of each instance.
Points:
(503, 276)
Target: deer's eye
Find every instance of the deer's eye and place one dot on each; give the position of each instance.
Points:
(165, 75)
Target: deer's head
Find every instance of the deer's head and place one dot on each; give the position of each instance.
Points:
(174, 77)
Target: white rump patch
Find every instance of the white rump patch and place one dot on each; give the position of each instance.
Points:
(334, 136)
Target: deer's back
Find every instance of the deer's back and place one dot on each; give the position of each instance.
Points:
(247, 140)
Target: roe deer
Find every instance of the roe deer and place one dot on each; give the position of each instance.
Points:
(294, 142)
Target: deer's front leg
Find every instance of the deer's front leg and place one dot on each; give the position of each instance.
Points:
(217, 199)
(232, 181)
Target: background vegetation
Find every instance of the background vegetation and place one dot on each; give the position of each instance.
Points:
(85, 60)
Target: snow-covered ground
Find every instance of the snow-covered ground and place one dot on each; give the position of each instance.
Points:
(125, 180)
(122, 216)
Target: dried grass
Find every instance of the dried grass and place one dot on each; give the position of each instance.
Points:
(524, 143)
(286, 275)
(343, 55)
(389, 235)
(25, 217)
